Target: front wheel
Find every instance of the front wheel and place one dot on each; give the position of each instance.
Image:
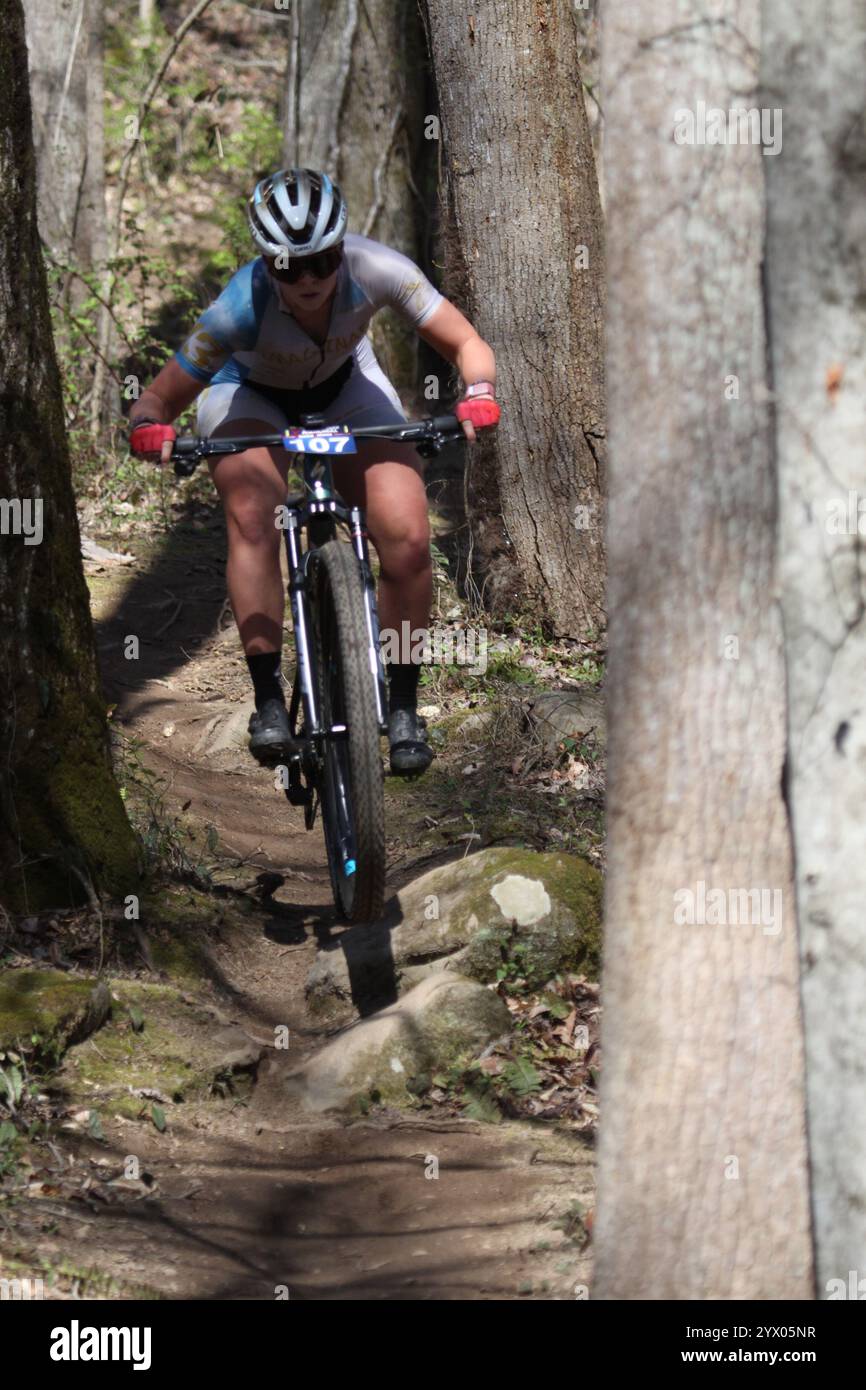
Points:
(352, 794)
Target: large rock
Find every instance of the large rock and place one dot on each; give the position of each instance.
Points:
(223, 741)
(47, 1011)
(560, 714)
(162, 1045)
(540, 912)
(392, 1056)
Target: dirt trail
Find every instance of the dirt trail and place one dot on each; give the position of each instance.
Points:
(256, 1195)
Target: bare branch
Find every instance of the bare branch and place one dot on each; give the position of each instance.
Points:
(379, 175)
(115, 231)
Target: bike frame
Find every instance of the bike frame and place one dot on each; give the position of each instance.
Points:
(299, 513)
(319, 500)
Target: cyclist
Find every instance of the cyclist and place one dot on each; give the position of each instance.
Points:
(287, 337)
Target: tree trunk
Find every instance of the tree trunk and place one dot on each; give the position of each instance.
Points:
(65, 51)
(355, 107)
(816, 284)
(525, 262)
(63, 829)
(703, 1165)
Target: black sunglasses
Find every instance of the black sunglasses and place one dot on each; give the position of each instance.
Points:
(320, 266)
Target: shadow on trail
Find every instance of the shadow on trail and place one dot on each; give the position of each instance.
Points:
(172, 604)
(340, 1215)
(373, 976)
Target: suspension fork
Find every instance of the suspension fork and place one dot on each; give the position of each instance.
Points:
(377, 668)
(305, 686)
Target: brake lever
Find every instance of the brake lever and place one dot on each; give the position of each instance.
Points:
(187, 455)
(438, 440)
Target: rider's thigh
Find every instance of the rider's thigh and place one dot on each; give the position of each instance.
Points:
(251, 485)
(394, 499)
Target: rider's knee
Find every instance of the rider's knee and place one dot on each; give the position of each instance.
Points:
(252, 521)
(408, 554)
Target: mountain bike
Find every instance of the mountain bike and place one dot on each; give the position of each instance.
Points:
(339, 707)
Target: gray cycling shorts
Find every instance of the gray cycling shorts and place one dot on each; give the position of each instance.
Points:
(368, 398)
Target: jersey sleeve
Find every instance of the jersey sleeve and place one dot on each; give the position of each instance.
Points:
(407, 289)
(230, 324)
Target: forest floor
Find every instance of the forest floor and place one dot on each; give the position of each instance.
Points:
(236, 1192)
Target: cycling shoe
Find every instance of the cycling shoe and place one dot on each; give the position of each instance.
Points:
(271, 739)
(410, 751)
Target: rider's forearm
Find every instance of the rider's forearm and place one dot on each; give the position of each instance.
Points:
(475, 361)
(168, 395)
(150, 406)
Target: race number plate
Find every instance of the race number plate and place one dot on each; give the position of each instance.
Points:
(326, 441)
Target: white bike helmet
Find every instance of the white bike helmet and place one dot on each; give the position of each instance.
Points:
(299, 211)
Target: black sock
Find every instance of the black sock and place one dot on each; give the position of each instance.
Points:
(265, 673)
(403, 685)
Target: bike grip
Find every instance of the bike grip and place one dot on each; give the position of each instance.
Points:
(447, 424)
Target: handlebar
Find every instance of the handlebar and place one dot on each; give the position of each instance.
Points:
(430, 435)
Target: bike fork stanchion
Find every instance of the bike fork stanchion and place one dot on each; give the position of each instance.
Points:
(297, 583)
(377, 668)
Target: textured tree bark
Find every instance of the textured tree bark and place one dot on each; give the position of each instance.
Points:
(525, 262)
(817, 306)
(63, 829)
(66, 84)
(703, 1187)
(355, 106)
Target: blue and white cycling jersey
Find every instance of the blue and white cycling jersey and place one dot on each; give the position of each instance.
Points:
(248, 333)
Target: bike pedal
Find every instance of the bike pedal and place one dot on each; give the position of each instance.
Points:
(296, 793)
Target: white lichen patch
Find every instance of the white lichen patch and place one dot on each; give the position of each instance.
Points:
(521, 900)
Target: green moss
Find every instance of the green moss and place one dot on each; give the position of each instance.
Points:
(181, 921)
(180, 958)
(571, 940)
(436, 786)
(62, 1275)
(169, 1054)
(506, 827)
(39, 1002)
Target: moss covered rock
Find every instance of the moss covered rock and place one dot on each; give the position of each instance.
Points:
(162, 1043)
(154, 1041)
(388, 1057)
(555, 715)
(47, 1011)
(537, 917)
(536, 914)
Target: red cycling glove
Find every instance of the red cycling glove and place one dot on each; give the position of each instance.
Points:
(148, 438)
(480, 413)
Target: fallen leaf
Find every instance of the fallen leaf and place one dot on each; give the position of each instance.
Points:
(833, 380)
(492, 1066)
(567, 1029)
